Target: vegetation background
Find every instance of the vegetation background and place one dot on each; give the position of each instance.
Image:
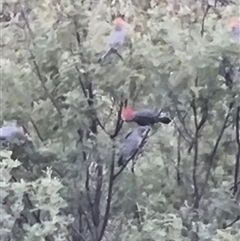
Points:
(63, 185)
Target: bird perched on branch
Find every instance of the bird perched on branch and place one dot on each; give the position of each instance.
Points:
(133, 142)
(12, 134)
(116, 38)
(144, 117)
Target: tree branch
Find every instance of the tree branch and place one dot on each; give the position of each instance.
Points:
(98, 195)
(80, 140)
(233, 222)
(181, 133)
(178, 160)
(212, 156)
(201, 122)
(203, 19)
(78, 233)
(119, 123)
(109, 196)
(36, 129)
(89, 199)
(195, 159)
(182, 121)
(238, 151)
(81, 211)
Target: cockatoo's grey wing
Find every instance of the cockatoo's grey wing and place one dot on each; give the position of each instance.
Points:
(129, 149)
(132, 143)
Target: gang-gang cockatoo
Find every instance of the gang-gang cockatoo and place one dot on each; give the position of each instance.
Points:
(116, 38)
(144, 117)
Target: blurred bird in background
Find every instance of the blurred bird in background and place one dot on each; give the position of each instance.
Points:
(12, 135)
(116, 39)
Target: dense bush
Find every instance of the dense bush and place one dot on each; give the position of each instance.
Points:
(63, 184)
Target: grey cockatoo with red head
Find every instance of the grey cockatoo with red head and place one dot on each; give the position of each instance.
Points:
(116, 38)
(144, 117)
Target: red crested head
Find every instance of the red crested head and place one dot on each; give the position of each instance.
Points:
(127, 114)
(119, 21)
(119, 24)
(234, 22)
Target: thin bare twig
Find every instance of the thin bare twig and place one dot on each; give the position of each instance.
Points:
(233, 222)
(212, 155)
(195, 160)
(238, 151)
(78, 233)
(80, 77)
(81, 211)
(109, 196)
(98, 195)
(89, 199)
(178, 160)
(182, 121)
(102, 126)
(80, 140)
(203, 19)
(181, 133)
(108, 117)
(119, 123)
(201, 123)
(36, 129)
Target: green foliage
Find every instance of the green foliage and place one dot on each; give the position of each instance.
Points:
(49, 59)
(43, 193)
